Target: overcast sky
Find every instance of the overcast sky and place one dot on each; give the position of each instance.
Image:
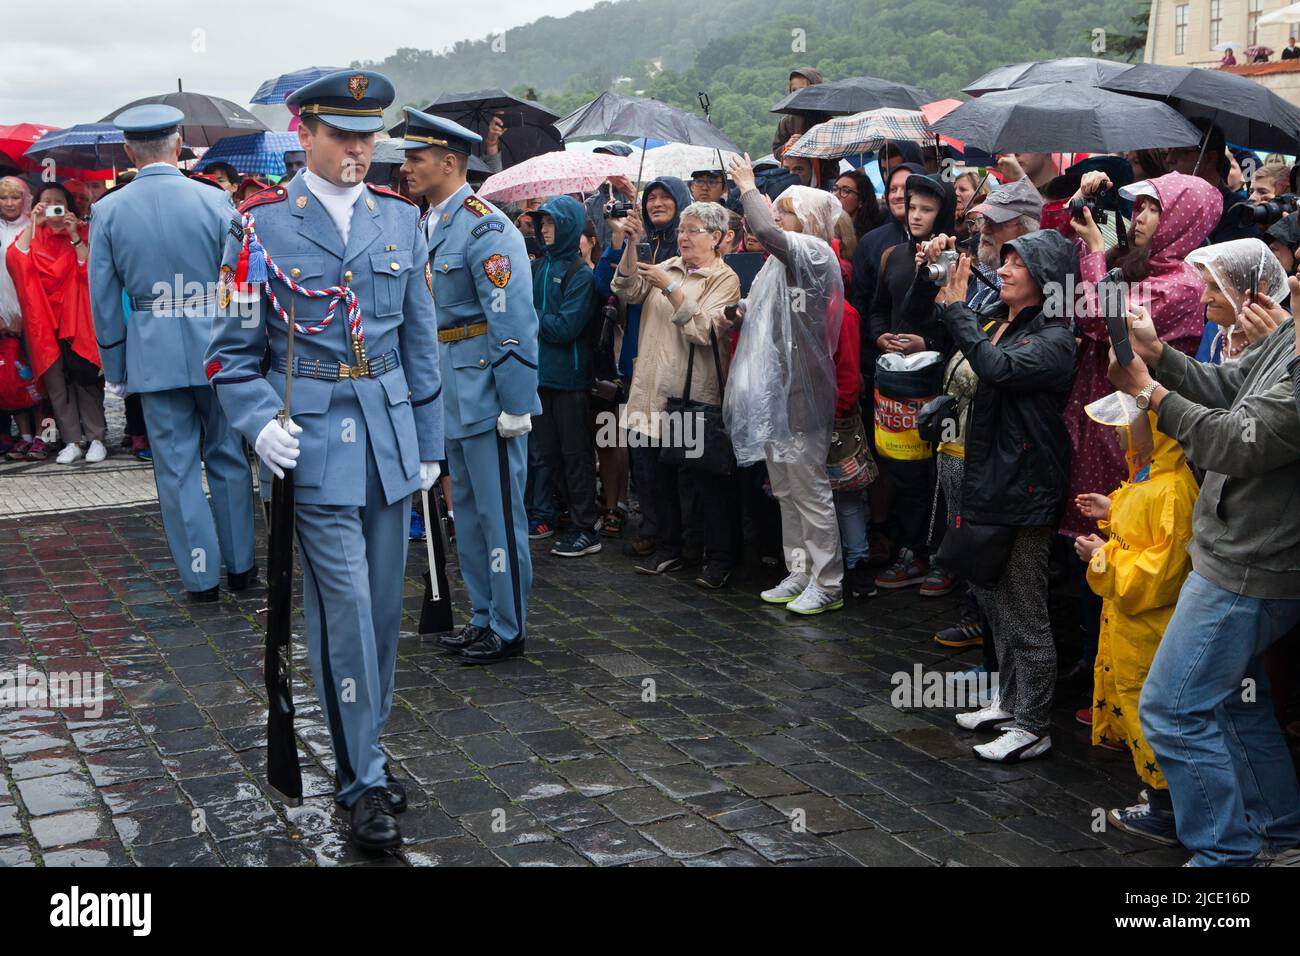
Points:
(75, 62)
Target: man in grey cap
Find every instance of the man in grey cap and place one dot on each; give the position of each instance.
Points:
(1007, 213)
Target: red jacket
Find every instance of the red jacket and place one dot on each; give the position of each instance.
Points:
(848, 355)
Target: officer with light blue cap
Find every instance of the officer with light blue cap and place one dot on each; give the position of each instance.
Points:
(345, 261)
(159, 241)
(482, 288)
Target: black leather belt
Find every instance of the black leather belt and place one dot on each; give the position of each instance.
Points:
(337, 371)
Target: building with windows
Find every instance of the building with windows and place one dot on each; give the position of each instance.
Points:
(1187, 32)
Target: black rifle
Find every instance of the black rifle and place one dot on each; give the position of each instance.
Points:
(436, 614)
(283, 773)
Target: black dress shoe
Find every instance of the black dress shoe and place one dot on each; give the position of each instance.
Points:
(396, 792)
(243, 580)
(490, 648)
(206, 597)
(464, 636)
(373, 825)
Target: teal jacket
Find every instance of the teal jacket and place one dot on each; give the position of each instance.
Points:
(563, 308)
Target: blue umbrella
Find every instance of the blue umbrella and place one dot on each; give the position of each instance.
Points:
(86, 146)
(254, 153)
(643, 143)
(276, 89)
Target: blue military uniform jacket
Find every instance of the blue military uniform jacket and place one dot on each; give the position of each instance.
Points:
(399, 413)
(479, 271)
(163, 344)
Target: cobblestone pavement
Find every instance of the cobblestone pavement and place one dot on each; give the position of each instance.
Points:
(769, 739)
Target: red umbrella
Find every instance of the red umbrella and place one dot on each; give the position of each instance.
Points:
(15, 140)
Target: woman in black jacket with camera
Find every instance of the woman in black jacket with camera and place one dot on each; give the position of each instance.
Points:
(1017, 455)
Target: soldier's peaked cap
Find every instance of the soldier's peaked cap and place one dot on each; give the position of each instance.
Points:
(424, 130)
(350, 100)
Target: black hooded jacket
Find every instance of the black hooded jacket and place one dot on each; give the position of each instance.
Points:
(866, 261)
(1017, 448)
(898, 266)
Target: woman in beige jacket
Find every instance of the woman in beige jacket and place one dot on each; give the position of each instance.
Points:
(681, 301)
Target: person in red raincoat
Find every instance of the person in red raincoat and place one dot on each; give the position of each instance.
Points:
(48, 265)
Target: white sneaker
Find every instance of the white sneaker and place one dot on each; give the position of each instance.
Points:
(989, 717)
(786, 591)
(96, 452)
(1013, 746)
(71, 452)
(814, 600)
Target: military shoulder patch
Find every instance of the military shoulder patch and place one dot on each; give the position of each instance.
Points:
(268, 195)
(497, 269)
(385, 191)
(483, 228)
(237, 228)
(477, 206)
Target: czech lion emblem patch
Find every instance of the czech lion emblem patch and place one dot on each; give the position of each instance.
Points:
(357, 86)
(497, 269)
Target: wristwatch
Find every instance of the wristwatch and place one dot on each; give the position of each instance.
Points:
(1143, 398)
(671, 288)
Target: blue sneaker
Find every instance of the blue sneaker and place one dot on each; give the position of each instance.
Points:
(1141, 820)
(577, 543)
(417, 527)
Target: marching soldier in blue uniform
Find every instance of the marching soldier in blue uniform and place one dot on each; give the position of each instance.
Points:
(482, 290)
(366, 421)
(160, 241)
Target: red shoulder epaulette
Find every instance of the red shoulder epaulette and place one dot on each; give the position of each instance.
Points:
(269, 195)
(477, 206)
(385, 191)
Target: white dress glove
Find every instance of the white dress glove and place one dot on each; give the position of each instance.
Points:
(429, 472)
(512, 426)
(114, 388)
(277, 446)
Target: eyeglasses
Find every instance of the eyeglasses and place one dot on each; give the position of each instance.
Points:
(697, 232)
(845, 191)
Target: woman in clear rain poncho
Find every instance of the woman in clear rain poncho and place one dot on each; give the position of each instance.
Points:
(780, 399)
(1227, 268)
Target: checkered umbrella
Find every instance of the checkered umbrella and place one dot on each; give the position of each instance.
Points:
(255, 153)
(278, 88)
(554, 174)
(861, 133)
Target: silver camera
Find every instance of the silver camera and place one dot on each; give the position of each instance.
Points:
(52, 211)
(938, 271)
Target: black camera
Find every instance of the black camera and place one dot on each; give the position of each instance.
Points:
(618, 208)
(1266, 213)
(1094, 204)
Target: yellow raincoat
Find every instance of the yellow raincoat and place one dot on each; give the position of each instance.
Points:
(1138, 574)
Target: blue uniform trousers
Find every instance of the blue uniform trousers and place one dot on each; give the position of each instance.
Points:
(186, 426)
(353, 565)
(488, 473)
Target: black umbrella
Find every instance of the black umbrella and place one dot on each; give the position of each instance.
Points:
(535, 133)
(1065, 117)
(207, 118)
(855, 94)
(1084, 70)
(613, 114)
(1249, 114)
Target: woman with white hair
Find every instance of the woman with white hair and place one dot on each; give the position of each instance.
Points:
(780, 403)
(679, 350)
(15, 211)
